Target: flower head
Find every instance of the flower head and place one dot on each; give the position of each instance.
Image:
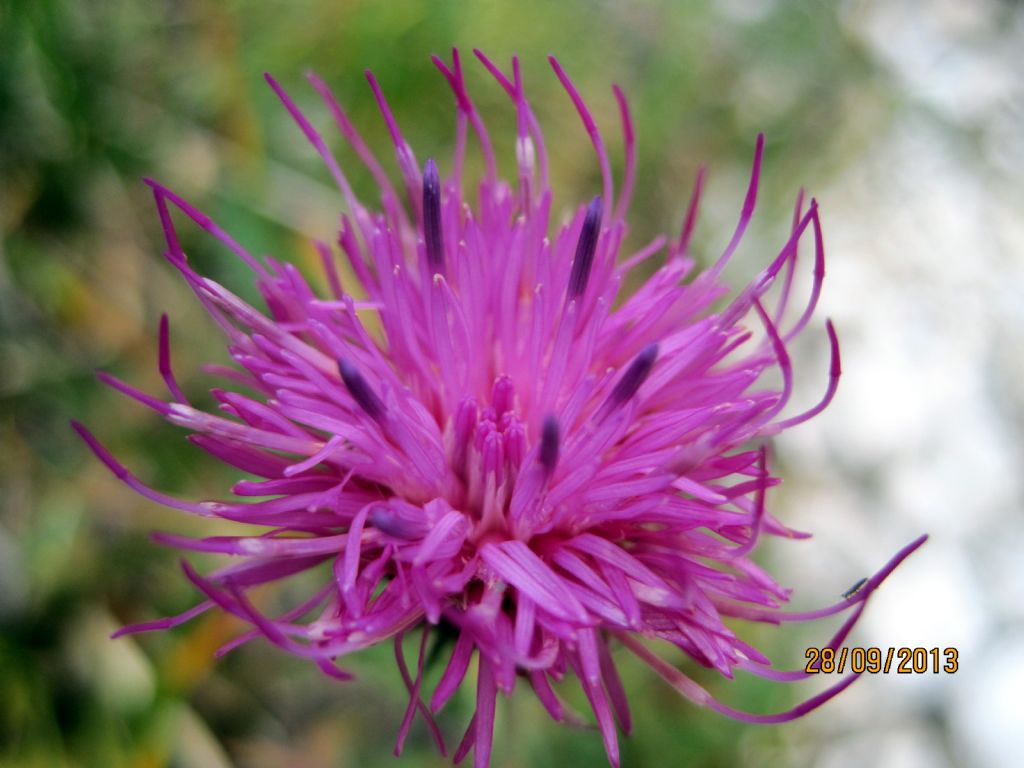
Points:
(493, 443)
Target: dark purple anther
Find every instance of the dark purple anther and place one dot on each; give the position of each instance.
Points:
(635, 375)
(360, 390)
(549, 440)
(395, 524)
(432, 235)
(585, 249)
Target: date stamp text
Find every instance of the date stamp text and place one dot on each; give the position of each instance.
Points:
(874, 660)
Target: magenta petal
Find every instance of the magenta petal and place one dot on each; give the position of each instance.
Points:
(520, 567)
(167, 623)
(454, 672)
(486, 694)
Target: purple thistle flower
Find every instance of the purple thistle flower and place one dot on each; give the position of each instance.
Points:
(521, 457)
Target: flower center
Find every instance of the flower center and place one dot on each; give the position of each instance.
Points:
(486, 451)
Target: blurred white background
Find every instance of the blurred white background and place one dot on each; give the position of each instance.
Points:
(926, 287)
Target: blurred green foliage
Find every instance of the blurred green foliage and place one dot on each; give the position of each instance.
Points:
(94, 95)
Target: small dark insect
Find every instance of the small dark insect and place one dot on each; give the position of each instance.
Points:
(855, 588)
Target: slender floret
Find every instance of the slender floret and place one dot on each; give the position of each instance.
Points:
(513, 455)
